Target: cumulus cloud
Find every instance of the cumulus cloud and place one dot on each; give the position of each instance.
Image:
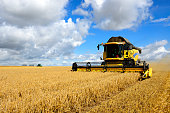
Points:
(34, 31)
(88, 57)
(118, 14)
(69, 60)
(80, 11)
(155, 51)
(42, 42)
(31, 12)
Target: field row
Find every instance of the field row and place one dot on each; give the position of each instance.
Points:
(149, 96)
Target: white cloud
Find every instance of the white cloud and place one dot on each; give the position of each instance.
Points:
(155, 51)
(87, 57)
(161, 19)
(34, 31)
(15, 38)
(41, 42)
(31, 12)
(80, 11)
(118, 14)
(57, 58)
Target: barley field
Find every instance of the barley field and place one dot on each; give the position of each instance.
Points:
(57, 89)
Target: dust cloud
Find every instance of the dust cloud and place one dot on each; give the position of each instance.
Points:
(161, 65)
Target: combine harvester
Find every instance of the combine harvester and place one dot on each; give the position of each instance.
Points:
(119, 56)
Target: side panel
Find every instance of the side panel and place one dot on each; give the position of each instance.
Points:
(150, 72)
(131, 54)
(135, 54)
(104, 55)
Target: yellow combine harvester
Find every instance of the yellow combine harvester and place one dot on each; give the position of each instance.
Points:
(119, 56)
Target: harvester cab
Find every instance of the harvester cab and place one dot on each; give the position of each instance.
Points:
(119, 55)
(119, 51)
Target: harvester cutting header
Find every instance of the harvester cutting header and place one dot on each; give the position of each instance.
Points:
(119, 56)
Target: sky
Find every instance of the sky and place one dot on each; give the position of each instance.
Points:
(60, 32)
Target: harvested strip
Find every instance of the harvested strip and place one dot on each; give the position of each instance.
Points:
(149, 96)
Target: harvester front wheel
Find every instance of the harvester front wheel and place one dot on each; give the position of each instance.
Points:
(74, 67)
(140, 78)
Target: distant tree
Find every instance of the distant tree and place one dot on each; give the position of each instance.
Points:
(24, 64)
(39, 65)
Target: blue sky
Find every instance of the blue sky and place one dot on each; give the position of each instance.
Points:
(146, 33)
(59, 32)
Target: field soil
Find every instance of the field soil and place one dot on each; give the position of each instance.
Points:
(57, 89)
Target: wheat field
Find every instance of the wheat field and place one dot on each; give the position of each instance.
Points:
(57, 89)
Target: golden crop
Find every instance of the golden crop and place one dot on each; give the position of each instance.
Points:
(57, 89)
